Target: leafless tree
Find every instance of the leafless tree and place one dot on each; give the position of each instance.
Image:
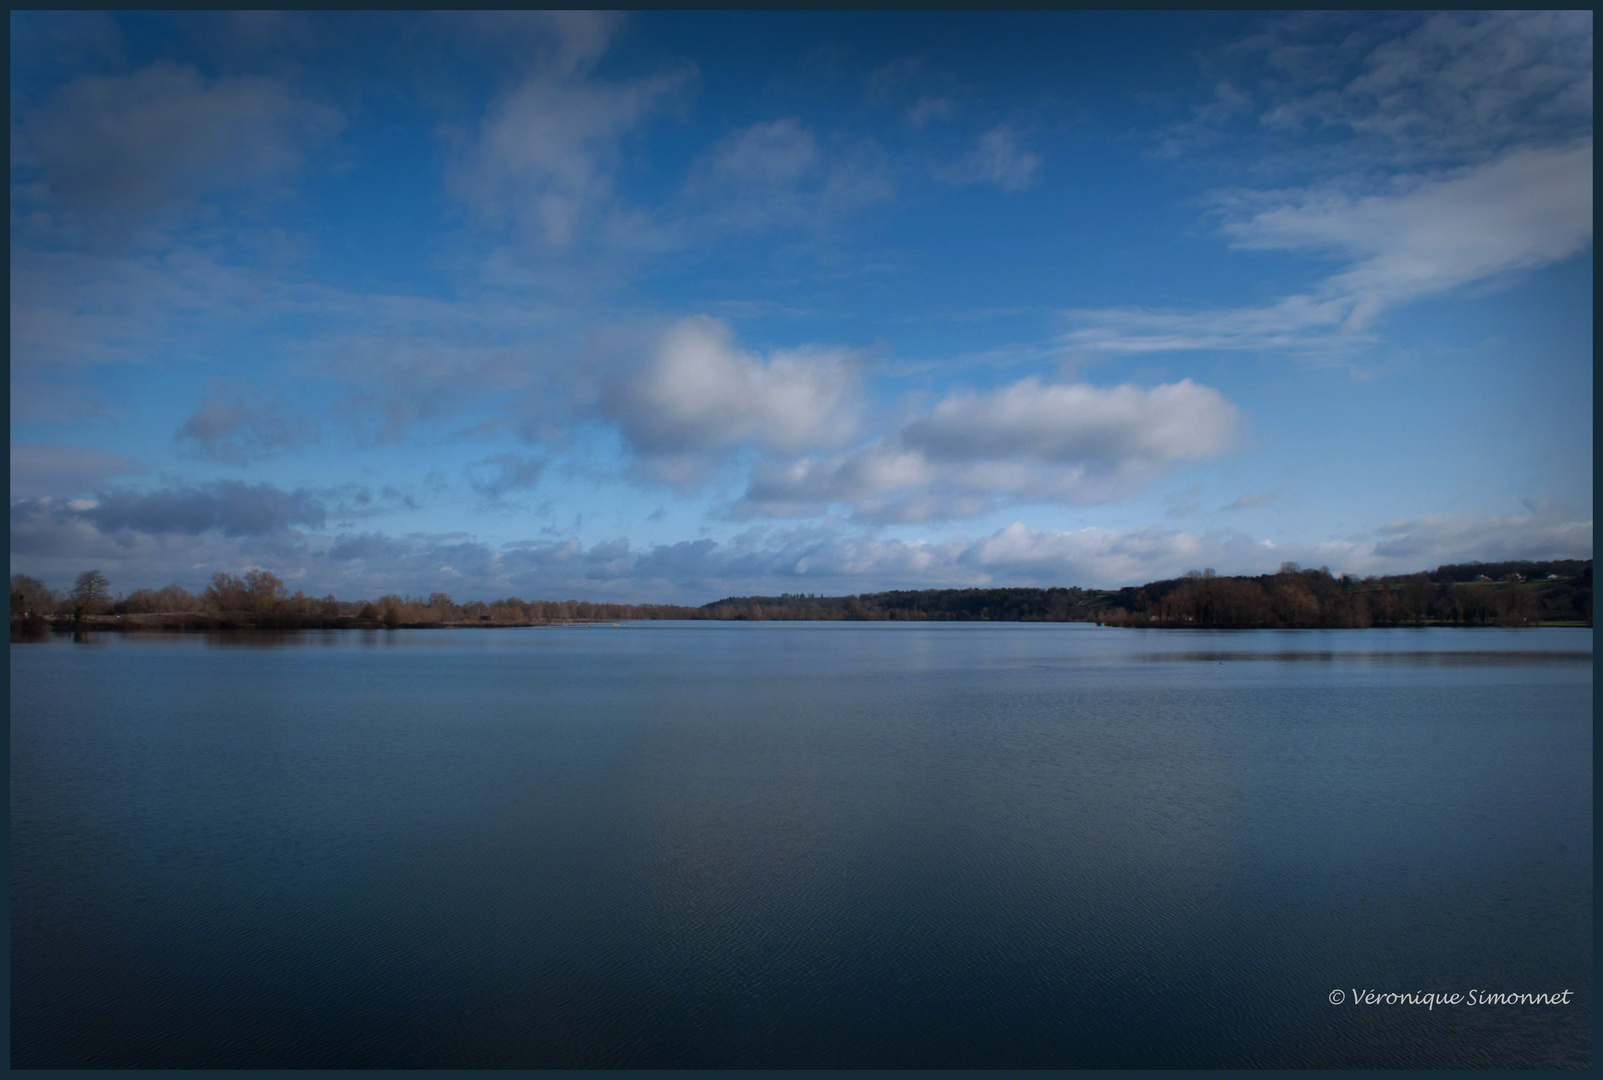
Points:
(90, 593)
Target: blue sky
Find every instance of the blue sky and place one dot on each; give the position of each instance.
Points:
(669, 307)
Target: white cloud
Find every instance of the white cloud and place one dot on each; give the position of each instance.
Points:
(1077, 422)
(881, 482)
(1025, 442)
(1424, 235)
(1108, 558)
(545, 154)
(697, 393)
(1462, 150)
(1090, 555)
(1528, 208)
(145, 540)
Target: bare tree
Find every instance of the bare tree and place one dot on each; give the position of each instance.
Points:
(30, 597)
(90, 593)
(226, 593)
(265, 590)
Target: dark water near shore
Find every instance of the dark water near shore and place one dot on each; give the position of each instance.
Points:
(801, 844)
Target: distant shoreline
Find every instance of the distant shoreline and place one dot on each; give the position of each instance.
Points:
(199, 623)
(193, 623)
(1521, 593)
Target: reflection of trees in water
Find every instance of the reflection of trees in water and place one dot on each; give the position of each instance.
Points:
(29, 596)
(270, 639)
(1447, 658)
(32, 627)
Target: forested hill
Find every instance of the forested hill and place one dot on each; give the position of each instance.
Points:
(1002, 605)
(1517, 593)
(1522, 593)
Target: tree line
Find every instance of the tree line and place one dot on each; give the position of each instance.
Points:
(1469, 594)
(1521, 593)
(1000, 605)
(259, 598)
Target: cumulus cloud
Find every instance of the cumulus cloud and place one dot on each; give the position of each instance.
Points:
(1018, 552)
(181, 534)
(1077, 422)
(130, 146)
(697, 393)
(229, 507)
(865, 476)
(1024, 442)
(53, 541)
(1109, 558)
(544, 156)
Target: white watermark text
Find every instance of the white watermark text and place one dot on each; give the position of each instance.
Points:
(1430, 998)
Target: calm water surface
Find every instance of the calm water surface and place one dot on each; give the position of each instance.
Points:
(801, 844)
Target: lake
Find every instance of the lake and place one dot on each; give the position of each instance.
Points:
(870, 845)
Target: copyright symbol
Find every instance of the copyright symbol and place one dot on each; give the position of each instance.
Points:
(1337, 997)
